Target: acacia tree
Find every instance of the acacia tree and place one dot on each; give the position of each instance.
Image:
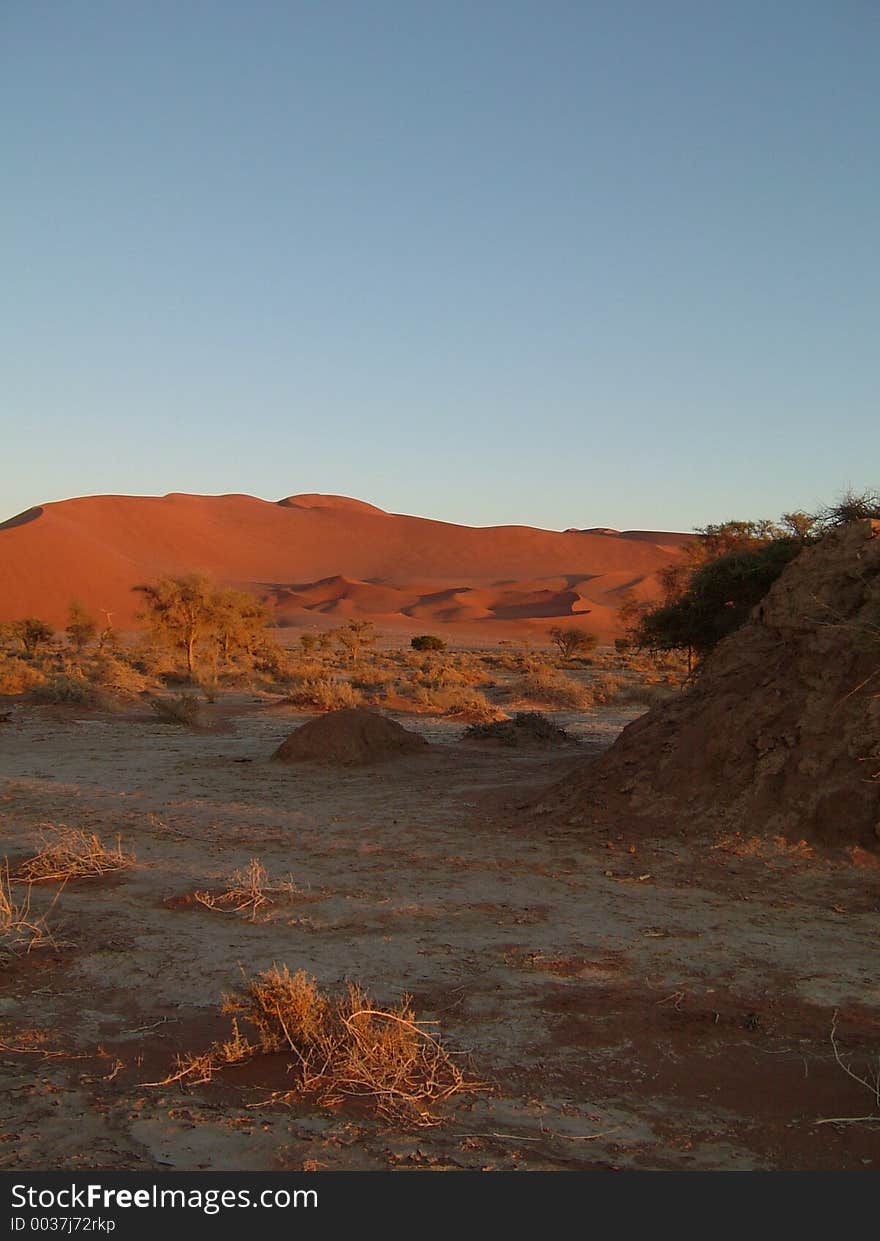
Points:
(179, 611)
(193, 614)
(726, 571)
(571, 642)
(238, 622)
(718, 600)
(355, 636)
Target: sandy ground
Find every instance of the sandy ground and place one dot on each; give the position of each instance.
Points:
(661, 1005)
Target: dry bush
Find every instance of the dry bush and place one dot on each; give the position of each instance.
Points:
(668, 665)
(17, 677)
(69, 688)
(306, 670)
(247, 890)
(463, 702)
(184, 709)
(502, 661)
(544, 685)
(343, 1047)
(72, 853)
(19, 927)
(374, 679)
(526, 727)
(324, 694)
(605, 688)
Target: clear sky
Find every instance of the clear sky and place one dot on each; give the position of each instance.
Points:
(563, 264)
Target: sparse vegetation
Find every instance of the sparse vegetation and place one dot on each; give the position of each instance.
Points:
(247, 890)
(69, 687)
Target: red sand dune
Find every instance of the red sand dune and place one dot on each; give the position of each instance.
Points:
(321, 559)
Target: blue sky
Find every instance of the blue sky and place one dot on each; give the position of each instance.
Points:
(542, 262)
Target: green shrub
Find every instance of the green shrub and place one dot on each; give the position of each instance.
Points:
(717, 600)
(427, 642)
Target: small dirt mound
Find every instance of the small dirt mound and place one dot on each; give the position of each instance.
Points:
(526, 728)
(350, 736)
(780, 735)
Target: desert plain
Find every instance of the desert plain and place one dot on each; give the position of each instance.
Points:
(683, 985)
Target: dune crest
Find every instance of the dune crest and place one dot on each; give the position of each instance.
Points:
(320, 559)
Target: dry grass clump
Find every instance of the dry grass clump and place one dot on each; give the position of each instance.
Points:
(648, 694)
(546, 686)
(19, 927)
(325, 693)
(463, 702)
(342, 1047)
(184, 709)
(299, 670)
(374, 682)
(73, 853)
(247, 890)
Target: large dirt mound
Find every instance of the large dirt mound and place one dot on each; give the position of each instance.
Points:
(781, 733)
(350, 736)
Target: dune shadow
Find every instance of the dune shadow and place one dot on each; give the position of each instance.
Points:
(30, 514)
